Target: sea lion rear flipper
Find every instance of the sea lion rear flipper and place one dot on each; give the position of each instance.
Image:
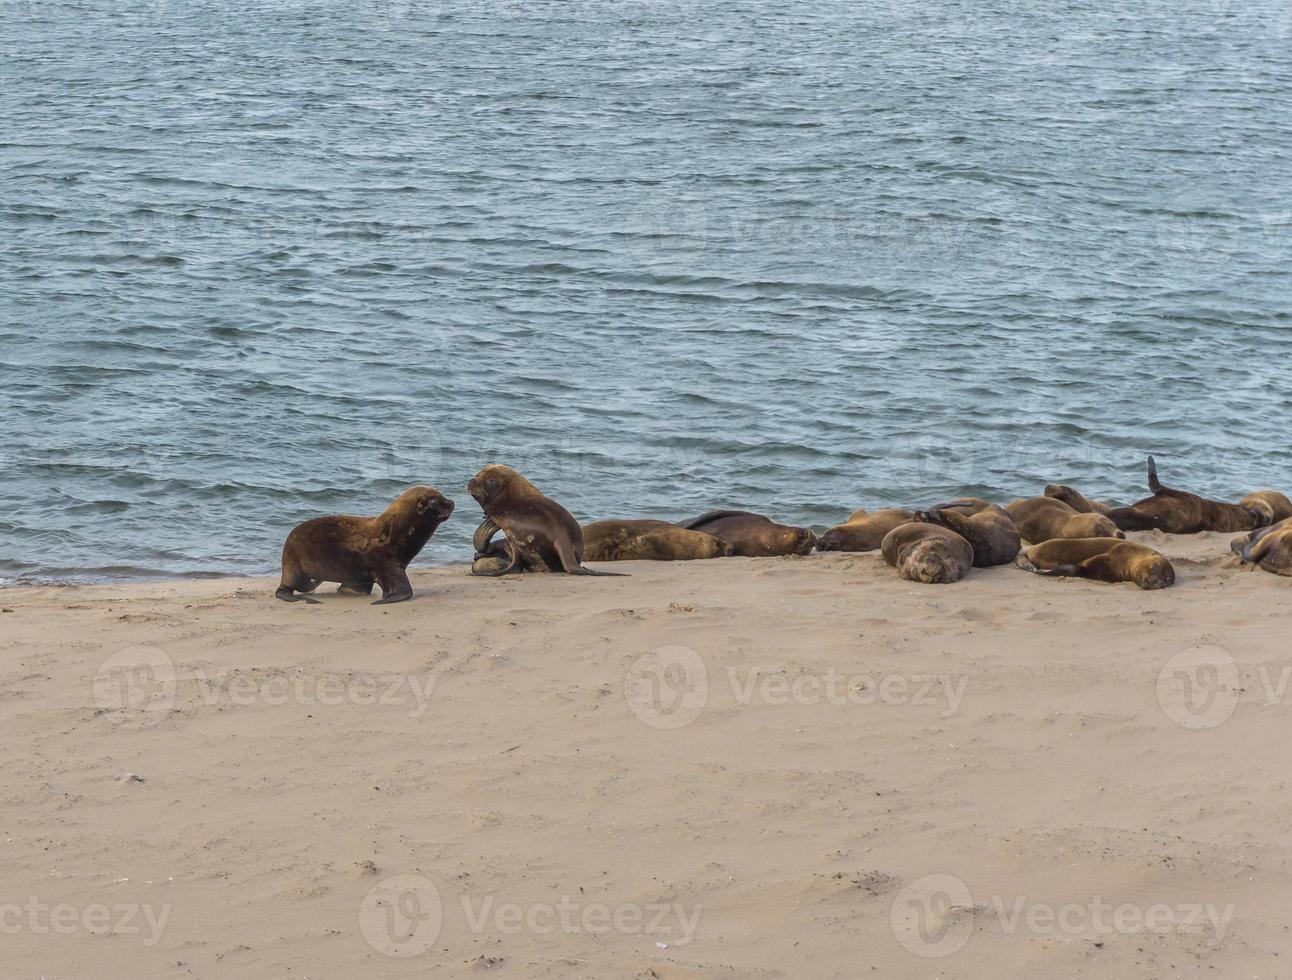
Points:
(512, 567)
(584, 570)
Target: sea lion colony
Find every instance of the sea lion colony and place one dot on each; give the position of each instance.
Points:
(1067, 534)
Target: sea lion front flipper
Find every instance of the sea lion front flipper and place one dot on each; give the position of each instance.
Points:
(395, 586)
(483, 536)
(1154, 483)
(287, 595)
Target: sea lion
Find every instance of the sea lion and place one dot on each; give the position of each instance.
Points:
(1074, 499)
(1179, 512)
(989, 529)
(1104, 559)
(359, 552)
(753, 535)
(1268, 503)
(1044, 518)
(927, 553)
(863, 531)
(541, 535)
(649, 541)
(1270, 547)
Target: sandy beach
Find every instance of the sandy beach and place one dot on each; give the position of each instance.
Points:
(793, 768)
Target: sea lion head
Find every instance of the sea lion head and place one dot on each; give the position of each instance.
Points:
(1060, 491)
(1154, 572)
(800, 540)
(1092, 526)
(422, 505)
(928, 562)
(493, 482)
(1261, 510)
(831, 540)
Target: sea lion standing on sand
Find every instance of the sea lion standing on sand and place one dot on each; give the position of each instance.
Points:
(753, 535)
(1074, 499)
(541, 535)
(987, 528)
(1104, 559)
(1269, 547)
(863, 531)
(1268, 503)
(1041, 519)
(359, 552)
(649, 541)
(927, 553)
(1179, 512)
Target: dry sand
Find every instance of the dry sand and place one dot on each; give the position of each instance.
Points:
(878, 772)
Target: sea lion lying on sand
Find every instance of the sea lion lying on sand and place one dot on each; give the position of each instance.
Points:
(927, 553)
(359, 552)
(1044, 518)
(541, 535)
(1179, 512)
(863, 531)
(1268, 503)
(988, 528)
(1104, 559)
(753, 535)
(1074, 499)
(1269, 547)
(649, 541)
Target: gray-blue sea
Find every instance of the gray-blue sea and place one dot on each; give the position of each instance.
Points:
(263, 261)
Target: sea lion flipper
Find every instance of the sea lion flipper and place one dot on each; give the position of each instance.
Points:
(395, 586)
(1154, 483)
(708, 517)
(512, 566)
(484, 534)
(287, 595)
(584, 570)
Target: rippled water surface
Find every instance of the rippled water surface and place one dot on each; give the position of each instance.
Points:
(262, 261)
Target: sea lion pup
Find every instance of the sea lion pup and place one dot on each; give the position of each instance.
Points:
(1179, 512)
(927, 553)
(540, 533)
(863, 531)
(359, 552)
(1270, 547)
(1268, 503)
(753, 535)
(1104, 559)
(1074, 499)
(989, 530)
(1043, 518)
(649, 541)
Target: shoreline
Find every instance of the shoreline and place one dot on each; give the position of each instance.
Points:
(738, 768)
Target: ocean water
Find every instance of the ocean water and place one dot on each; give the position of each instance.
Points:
(264, 261)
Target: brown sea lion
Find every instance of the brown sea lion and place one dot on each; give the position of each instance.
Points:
(862, 531)
(359, 552)
(649, 541)
(927, 553)
(753, 535)
(541, 535)
(1179, 512)
(1268, 503)
(1270, 547)
(1043, 518)
(988, 529)
(1073, 498)
(1104, 559)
